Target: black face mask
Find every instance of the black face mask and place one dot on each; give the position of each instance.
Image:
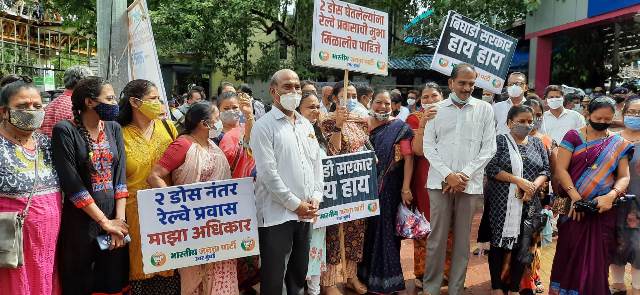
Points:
(599, 126)
(395, 113)
(619, 99)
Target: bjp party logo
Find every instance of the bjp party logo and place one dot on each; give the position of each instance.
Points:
(324, 56)
(381, 65)
(373, 207)
(497, 83)
(443, 62)
(248, 244)
(158, 259)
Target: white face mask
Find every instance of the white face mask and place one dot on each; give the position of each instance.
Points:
(290, 101)
(411, 101)
(555, 103)
(214, 131)
(426, 106)
(487, 98)
(514, 91)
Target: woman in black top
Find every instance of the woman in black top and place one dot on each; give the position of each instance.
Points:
(90, 160)
(516, 172)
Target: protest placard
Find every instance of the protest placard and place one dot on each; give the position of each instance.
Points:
(143, 56)
(464, 40)
(350, 189)
(350, 37)
(197, 223)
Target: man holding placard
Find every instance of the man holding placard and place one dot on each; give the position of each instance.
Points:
(289, 186)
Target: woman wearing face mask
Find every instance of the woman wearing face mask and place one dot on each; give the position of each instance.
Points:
(627, 224)
(89, 157)
(146, 137)
(192, 158)
(346, 133)
(592, 165)
(431, 95)
(391, 138)
(233, 140)
(531, 278)
(22, 151)
(516, 172)
(310, 109)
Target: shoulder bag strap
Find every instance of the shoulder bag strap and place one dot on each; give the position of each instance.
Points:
(166, 126)
(25, 212)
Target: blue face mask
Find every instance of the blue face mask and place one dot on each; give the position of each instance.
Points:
(351, 104)
(107, 112)
(632, 122)
(454, 97)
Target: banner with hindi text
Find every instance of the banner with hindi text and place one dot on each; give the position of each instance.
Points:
(143, 56)
(198, 223)
(464, 40)
(350, 189)
(350, 37)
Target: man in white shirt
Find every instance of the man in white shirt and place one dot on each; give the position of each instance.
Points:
(458, 142)
(289, 186)
(516, 88)
(557, 121)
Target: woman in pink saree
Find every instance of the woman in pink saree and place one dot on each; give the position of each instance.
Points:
(192, 158)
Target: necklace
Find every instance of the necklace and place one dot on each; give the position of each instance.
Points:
(586, 157)
(199, 142)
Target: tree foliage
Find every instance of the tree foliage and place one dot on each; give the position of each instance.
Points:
(219, 33)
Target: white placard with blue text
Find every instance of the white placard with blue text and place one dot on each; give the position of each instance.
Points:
(198, 223)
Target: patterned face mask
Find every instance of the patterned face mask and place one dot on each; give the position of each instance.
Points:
(107, 112)
(26, 120)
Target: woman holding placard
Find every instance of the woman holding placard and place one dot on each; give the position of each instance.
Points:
(346, 132)
(192, 158)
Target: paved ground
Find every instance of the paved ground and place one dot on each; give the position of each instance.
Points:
(478, 280)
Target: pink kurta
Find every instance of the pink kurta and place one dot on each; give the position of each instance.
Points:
(40, 232)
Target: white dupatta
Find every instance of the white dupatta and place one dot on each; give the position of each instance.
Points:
(513, 216)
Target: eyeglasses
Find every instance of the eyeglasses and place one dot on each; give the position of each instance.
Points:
(517, 83)
(635, 113)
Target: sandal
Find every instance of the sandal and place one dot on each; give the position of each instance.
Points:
(356, 286)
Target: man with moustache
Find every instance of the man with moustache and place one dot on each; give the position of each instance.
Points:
(459, 142)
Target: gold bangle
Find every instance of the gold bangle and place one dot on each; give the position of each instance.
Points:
(406, 192)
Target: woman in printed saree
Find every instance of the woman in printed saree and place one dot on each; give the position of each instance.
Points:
(347, 133)
(89, 156)
(234, 142)
(380, 269)
(146, 137)
(192, 158)
(628, 220)
(592, 165)
(22, 150)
